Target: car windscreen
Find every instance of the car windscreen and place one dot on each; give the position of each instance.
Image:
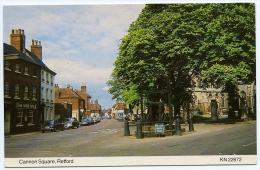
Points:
(48, 122)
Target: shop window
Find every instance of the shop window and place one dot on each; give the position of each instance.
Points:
(34, 93)
(17, 91)
(17, 68)
(19, 118)
(30, 117)
(7, 89)
(26, 92)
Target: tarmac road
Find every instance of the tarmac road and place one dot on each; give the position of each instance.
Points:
(107, 139)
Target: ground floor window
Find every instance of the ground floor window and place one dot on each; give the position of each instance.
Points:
(19, 118)
(30, 117)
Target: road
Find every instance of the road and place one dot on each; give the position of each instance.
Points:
(107, 139)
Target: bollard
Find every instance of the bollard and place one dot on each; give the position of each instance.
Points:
(178, 126)
(127, 131)
(139, 133)
(191, 128)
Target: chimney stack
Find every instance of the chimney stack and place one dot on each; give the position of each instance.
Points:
(17, 39)
(36, 48)
(83, 88)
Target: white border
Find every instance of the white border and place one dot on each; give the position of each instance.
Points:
(163, 162)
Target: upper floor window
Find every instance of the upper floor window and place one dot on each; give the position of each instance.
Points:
(26, 89)
(47, 77)
(34, 72)
(34, 93)
(26, 71)
(17, 68)
(7, 89)
(47, 95)
(17, 91)
(7, 65)
(51, 96)
(42, 93)
(51, 80)
(42, 75)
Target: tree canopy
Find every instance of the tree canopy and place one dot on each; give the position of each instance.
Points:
(168, 42)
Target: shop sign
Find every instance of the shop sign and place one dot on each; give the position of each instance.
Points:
(25, 106)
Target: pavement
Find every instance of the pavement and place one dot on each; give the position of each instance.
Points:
(202, 127)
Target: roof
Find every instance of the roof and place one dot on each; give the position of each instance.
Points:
(27, 56)
(68, 93)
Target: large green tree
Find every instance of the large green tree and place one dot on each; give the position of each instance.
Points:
(167, 42)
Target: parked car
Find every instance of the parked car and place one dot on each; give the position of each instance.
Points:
(84, 122)
(71, 123)
(97, 119)
(108, 117)
(52, 125)
(90, 120)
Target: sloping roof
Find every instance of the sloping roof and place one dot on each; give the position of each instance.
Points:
(27, 56)
(68, 93)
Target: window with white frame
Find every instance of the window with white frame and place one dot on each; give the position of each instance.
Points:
(47, 78)
(51, 80)
(42, 93)
(17, 68)
(17, 91)
(34, 93)
(30, 117)
(47, 95)
(42, 75)
(7, 89)
(51, 96)
(26, 71)
(34, 72)
(26, 91)
(7, 65)
(19, 118)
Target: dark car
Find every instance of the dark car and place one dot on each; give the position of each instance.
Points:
(90, 120)
(52, 125)
(71, 123)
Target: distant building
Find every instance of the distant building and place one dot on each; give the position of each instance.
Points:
(83, 93)
(118, 109)
(68, 95)
(95, 109)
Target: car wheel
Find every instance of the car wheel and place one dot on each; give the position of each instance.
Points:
(43, 131)
(62, 128)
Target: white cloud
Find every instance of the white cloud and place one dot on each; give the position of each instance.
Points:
(76, 72)
(106, 88)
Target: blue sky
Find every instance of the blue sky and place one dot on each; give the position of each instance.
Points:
(79, 42)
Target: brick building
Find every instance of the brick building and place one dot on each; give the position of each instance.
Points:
(95, 109)
(83, 93)
(22, 84)
(68, 95)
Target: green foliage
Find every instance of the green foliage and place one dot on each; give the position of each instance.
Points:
(167, 41)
